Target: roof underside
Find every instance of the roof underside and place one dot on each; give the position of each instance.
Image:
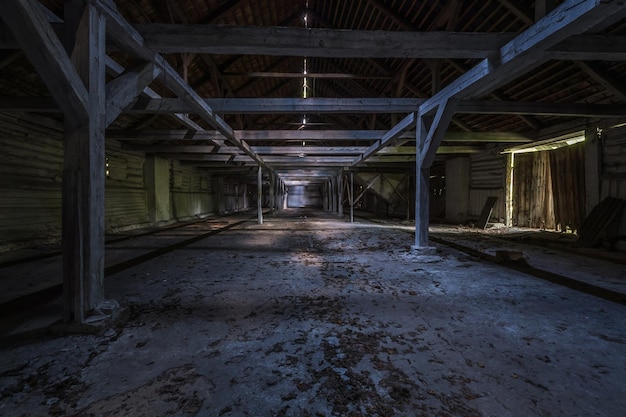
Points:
(577, 80)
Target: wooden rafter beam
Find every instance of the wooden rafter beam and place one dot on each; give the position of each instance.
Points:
(306, 135)
(160, 105)
(387, 139)
(461, 46)
(330, 43)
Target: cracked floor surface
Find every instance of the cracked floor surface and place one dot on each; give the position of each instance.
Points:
(309, 315)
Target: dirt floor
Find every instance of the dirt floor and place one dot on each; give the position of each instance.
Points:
(309, 315)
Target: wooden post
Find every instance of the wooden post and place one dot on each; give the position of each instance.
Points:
(422, 192)
(351, 197)
(84, 170)
(509, 191)
(272, 192)
(260, 195)
(340, 194)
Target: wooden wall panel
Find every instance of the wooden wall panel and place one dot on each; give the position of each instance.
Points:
(487, 179)
(533, 204)
(613, 173)
(31, 169)
(568, 186)
(191, 192)
(31, 166)
(125, 195)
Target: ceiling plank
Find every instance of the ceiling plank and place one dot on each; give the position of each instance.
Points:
(519, 10)
(604, 78)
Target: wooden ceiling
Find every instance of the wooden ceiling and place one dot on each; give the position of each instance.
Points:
(369, 64)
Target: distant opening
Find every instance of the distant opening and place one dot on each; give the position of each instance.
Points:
(304, 196)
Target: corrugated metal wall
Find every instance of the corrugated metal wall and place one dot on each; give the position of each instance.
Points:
(487, 179)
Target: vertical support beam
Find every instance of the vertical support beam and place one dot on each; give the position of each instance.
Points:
(593, 168)
(272, 192)
(333, 195)
(259, 204)
(84, 170)
(340, 194)
(351, 197)
(422, 195)
(510, 190)
(428, 138)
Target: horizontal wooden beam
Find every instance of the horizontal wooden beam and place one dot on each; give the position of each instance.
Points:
(331, 105)
(578, 47)
(307, 75)
(300, 136)
(296, 150)
(329, 43)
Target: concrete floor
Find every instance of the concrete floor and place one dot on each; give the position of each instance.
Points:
(309, 315)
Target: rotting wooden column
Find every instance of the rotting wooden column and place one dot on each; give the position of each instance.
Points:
(84, 170)
(259, 203)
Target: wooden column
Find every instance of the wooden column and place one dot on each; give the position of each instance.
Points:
(84, 169)
(351, 197)
(260, 195)
(422, 196)
(272, 192)
(340, 194)
(509, 190)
